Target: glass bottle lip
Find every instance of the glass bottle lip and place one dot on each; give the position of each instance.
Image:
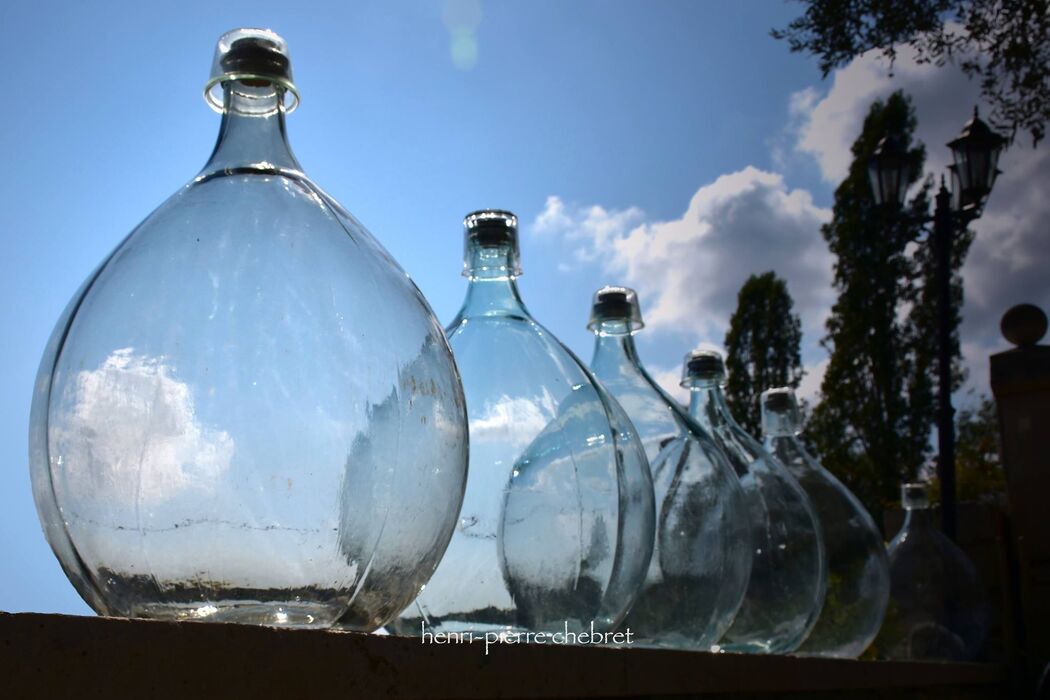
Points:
(491, 219)
(495, 231)
(780, 411)
(914, 496)
(249, 54)
(702, 368)
(616, 303)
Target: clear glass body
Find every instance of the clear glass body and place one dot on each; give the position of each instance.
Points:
(937, 607)
(858, 569)
(788, 570)
(702, 547)
(556, 528)
(240, 406)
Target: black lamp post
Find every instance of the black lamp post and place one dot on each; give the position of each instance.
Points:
(889, 172)
(976, 153)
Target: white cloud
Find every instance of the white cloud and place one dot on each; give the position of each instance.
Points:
(1010, 254)
(554, 219)
(669, 380)
(589, 231)
(827, 126)
(132, 435)
(688, 270)
(513, 420)
(809, 387)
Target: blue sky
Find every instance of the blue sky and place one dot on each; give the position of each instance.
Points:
(672, 146)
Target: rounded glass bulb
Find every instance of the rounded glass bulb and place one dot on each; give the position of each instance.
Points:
(702, 549)
(242, 402)
(789, 569)
(556, 528)
(937, 607)
(858, 570)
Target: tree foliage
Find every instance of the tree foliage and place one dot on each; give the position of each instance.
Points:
(872, 424)
(1005, 44)
(762, 346)
(978, 469)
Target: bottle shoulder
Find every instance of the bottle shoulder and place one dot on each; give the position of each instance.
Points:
(741, 453)
(510, 357)
(651, 415)
(279, 200)
(284, 220)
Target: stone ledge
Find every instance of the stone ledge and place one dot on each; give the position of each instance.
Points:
(65, 656)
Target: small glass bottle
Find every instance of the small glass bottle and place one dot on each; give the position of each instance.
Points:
(556, 529)
(788, 572)
(702, 549)
(243, 400)
(937, 608)
(858, 570)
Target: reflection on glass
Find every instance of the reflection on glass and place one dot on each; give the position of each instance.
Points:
(937, 607)
(788, 571)
(858, 570)
(556, 524)
(702, 549)
(239, 405)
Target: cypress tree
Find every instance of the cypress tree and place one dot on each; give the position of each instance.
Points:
(762, 346)
(872, 425)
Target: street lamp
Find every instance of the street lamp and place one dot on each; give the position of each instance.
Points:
(889, 171)
(976, 153)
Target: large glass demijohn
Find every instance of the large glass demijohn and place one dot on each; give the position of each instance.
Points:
(938, 608)
(788, 571)
(702, 549)
(858, 569)
(556, 528)
(241, 404)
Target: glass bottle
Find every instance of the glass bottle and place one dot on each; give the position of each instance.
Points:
(243, 400)
(858, 570)
(788, 571)
(937, 608)
(556, 528)
(702, 549)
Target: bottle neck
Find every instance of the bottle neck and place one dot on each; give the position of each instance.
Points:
(780, 425)
(791, 453)
(493, 288)
(252, 135)
(919, 519)
(614, 351)
(707, 404)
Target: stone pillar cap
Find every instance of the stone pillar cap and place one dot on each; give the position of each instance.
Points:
(1023, 325)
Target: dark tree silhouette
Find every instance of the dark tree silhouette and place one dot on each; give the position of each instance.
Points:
(872, 424)
(762, 346)
(1005, 44)
(978, 471)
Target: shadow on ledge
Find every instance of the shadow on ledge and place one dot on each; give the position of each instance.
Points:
(82, 657)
